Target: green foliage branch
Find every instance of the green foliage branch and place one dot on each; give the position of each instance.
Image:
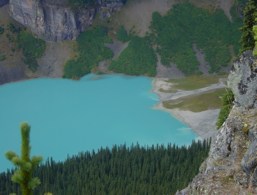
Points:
(25, 165)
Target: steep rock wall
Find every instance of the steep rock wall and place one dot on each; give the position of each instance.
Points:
(55, 20)
(231, 167)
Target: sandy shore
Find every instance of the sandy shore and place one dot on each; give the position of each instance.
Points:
(203, 123)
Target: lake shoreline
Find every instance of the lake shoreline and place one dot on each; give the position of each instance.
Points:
(90, 113)
(198, 121)
(202, 123)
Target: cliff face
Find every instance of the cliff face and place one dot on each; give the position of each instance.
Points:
(231, 167)
(55, 20)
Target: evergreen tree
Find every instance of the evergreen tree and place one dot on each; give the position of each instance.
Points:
(255, 39)
(25, 165)
(250, 13)
(149, 170)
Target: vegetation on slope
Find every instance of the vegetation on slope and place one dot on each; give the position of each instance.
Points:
(184, 26)
(91, 50)
(255, 39)
(250, 15)
(137, 59)
(175, 36)
(32, 48)
(227, 103)
(119, 170)
(17, 38)
(122, 34)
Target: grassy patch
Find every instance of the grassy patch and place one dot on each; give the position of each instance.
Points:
(194, 82)
(171, 90)
(91, 50)
(197, 103)
(32, 48)
(137, 59)
(185, 25)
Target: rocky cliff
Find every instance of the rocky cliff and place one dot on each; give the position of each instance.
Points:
(231, 167)
(56, 20)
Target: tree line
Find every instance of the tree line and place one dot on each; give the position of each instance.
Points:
(118, 170)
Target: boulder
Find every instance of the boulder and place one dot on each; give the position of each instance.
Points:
(243, 80)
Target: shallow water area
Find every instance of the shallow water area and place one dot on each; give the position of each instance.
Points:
(68, 117)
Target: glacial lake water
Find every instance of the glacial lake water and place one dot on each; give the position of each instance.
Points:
(68, 117)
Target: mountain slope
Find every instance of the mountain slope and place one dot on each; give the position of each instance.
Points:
(231, 167)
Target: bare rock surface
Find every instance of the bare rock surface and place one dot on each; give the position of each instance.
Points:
(51, 64)
(243, 81)
(56, 20)
(231, 167)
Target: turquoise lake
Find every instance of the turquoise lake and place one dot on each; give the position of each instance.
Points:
(68, 117)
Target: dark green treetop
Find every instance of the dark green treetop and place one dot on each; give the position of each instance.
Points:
(255, 39)
(250, 13)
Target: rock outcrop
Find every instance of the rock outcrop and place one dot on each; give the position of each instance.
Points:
(231, 167)
(57, 20)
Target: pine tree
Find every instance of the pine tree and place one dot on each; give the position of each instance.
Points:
(255, 39)
(25, 165)
(250, 13)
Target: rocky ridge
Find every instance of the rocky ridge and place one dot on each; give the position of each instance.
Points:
(231, 167)
(57, 20)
